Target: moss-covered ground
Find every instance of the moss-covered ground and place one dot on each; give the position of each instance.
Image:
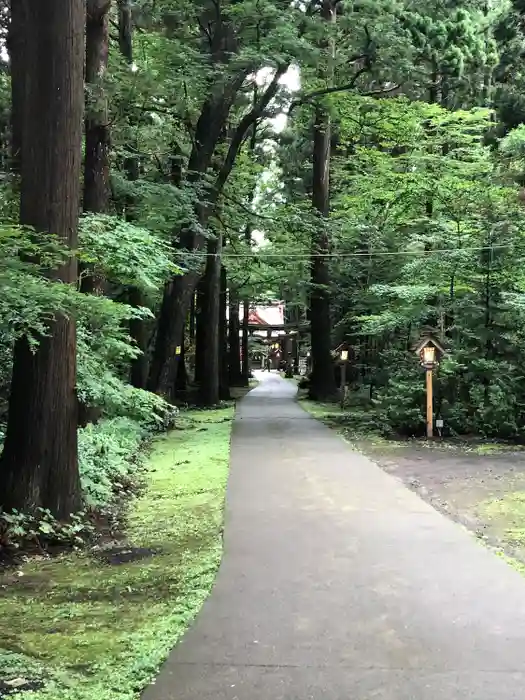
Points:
(88, 627)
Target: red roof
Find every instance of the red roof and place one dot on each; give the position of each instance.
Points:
(255, 320)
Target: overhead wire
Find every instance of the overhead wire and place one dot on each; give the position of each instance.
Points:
(378, 253)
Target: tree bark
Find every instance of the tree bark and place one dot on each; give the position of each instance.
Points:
(175, 304)
(200, 330)
(182, 375)
(138, 328)
(234, 341)
(39, 463)
(209, 382)
(138, 331)
(125, 29)
(97, 190)
(192, 319)
(96, 164)
(245, 350)
(224, 383)
(322, 384)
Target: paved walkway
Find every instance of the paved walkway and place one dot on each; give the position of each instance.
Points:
(338, 583)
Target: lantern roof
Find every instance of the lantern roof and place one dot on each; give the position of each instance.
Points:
(427, 340)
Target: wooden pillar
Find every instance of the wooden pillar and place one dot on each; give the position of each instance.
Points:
(430, 402)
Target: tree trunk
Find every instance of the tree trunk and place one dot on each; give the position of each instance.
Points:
(138, 328)
(174, 309)
(209, 382)
(138, 331)
(125, 29)
(97, 190)
(200, 330)
(322, 384)
(245, 365)
(192, 319)
(181, 383)
(39, 463)
(224, 383)
(234, 341)
(96, 163)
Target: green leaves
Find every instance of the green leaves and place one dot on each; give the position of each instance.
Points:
(126, 254)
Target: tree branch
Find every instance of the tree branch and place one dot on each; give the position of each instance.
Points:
(384, 91)
(310, 97)
(245, 208)
(242, 130)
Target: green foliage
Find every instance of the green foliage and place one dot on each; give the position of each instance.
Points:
(111, 461)
(120, 252)
(41, 530)
(113, 626)
(426, 229)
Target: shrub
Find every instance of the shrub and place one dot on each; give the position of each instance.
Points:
(110, 457)
(41, 530)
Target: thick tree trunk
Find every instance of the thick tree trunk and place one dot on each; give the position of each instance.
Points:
(192, 319)
(181, 383)
(245, 349)
(138, 331)
(96, 163)
(39, 462)
(200, 330)
(209, 382)
(224, 383)
(175, 304)
(234, 341)
(125, 29)
(97, 190)
(322, 385)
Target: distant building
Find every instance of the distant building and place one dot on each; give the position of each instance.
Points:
(266, 321)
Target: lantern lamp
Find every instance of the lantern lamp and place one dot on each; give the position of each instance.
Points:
(429, 354)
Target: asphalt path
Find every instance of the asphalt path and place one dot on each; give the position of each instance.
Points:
(339, 583)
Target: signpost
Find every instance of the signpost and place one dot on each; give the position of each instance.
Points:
(343, 355)
(429, 351)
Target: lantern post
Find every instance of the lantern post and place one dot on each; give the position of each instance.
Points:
(429, 351)
(343, 351)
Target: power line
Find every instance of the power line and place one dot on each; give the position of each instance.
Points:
(379, 253)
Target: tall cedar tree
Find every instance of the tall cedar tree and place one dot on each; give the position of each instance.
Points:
(97, 134)
(322, 380)
(39, 463)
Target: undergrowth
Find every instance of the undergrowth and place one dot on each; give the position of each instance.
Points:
(98, 624)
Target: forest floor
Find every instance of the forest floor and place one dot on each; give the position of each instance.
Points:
(478, 483)
(98, 624)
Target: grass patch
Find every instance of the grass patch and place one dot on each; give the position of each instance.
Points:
(332, 415)
(327, 412)
(506, 516)
(238, 392)
(92, 630)
(355, 425)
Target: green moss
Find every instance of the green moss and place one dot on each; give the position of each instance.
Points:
(327, 412)
(491, 448)
(95, 630)
(506, 516)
